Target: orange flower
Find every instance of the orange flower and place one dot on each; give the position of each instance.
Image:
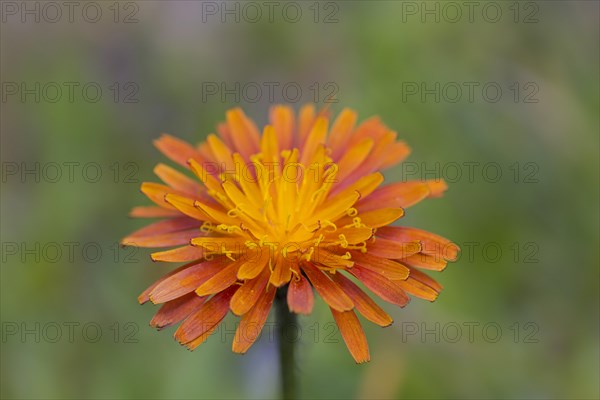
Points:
(298, 207)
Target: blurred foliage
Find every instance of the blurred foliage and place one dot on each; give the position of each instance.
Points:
(370, 54)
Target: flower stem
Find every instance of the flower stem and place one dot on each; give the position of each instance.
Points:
(286, 332)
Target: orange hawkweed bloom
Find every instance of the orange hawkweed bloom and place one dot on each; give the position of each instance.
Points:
(298, 207)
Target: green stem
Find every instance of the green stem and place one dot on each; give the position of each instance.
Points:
(286, 331)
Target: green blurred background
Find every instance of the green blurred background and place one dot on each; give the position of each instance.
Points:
(540, 133)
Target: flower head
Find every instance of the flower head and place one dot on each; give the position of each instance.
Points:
(297, 207)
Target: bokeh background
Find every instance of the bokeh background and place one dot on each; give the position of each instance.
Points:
(71, 326)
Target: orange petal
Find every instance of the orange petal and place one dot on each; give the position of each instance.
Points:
(252, 322)
(353, 157)
(186, 280)
(388, 290)
(390, 269)
(202, 338)
(222, 153)
(300, 296)
(166, 240)
(256, 260)
(225, 134)
(352, 234)
(331, 260)
(437, 187)
(364, 185)
(207, 177)
(177, 180)
(431, 244)
(333, 295)
(340, 132)
(243, 132)
(157, 192)
(176, 149)
(353, 335)
(419, 289)
(397, 152)
(380, 217)
(401, 194)
(186, 206)
(282, 271)
(179, 254)
(166, 226)
(153, 212)
(269, 147)
(247, 181)
(376, 157)
(176, 310)
(282, 120)
(425, 279)
(305, 124)
(145, 296)
(370, 128)
(363, 303)
(393, 250)
(221, 280)
(315, 138)
(207, 155)
(215, 214)
(424, 261)
(207, 317)
(242, 201)
(334, 208)
(248, 293)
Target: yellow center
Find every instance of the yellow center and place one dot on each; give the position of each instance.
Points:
(282, 208)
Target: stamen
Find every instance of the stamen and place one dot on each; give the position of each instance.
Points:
(331, 270)
(207, 227)
(344, 241)
(352, 212)
(309, 253)
(271, 268)
(327, 223)
(296, 275)
(233, 228)
(227, 253)
(263, 240)
(362, 246)
(319, 240)
(314, 196)
(221, 228)
(307, 228)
